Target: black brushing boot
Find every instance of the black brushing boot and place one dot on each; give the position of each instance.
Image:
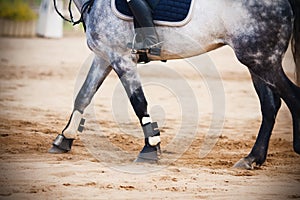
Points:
(63, 142)
(151, 150)
(145, 26)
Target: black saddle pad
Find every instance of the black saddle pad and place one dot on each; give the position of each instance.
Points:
(165, 10)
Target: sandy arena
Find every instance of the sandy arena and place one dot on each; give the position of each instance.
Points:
(38, 78)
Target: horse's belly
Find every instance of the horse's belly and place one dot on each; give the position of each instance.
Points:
(180, 53)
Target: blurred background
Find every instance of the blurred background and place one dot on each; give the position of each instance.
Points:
(29, 18)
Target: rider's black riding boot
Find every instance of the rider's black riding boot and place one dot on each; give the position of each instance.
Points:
(144, 24)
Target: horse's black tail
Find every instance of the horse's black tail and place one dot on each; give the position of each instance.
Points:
(296, 37)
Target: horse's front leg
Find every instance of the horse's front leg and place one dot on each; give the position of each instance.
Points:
(270, 104)
(126, 69)
(95, 77)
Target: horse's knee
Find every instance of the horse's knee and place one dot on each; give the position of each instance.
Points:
(270, 102)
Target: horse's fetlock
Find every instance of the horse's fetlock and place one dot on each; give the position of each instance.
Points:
(76, 124)
(154, 140)
(151, 129)
(151, 133)
(259, 159)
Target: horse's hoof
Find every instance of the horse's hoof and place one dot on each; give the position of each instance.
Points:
(61, 144)
(143, 160)
(147, 155)
(243, 164)
(56, 150)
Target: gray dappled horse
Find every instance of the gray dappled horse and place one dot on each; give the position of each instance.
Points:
(259, 32)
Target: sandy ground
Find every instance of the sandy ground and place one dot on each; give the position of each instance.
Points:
(38, 79)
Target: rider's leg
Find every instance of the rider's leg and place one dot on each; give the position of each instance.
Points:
(143, 20)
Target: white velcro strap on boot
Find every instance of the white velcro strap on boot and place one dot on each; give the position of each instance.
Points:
(71, 130)
(154, 140)
(146, 120)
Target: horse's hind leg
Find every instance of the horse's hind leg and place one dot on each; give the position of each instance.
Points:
(262, 51)
(127, 72)
(270, 104)
(96, 75)
(290, 93)
(270, 71)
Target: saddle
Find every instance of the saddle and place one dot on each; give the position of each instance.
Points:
(165, 12)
